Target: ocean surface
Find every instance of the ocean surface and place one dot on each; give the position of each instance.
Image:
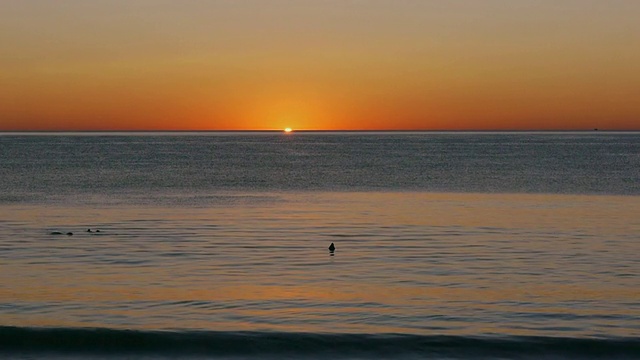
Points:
(215, 245)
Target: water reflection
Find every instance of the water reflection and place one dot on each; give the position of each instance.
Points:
(419, 262)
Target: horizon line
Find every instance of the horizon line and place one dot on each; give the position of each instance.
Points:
(318, 131)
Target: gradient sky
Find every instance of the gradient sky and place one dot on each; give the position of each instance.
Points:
(321, 64)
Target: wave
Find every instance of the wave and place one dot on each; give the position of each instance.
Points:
(211, 344)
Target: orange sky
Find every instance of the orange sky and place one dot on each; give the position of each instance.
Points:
(319, 64)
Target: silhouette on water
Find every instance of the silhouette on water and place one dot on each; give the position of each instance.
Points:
(70, 233)
(332, 248)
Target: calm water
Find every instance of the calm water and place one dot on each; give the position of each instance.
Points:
(449, 246)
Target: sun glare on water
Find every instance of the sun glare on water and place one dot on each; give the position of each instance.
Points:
(288, 130)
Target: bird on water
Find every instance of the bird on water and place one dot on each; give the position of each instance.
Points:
(332, 247)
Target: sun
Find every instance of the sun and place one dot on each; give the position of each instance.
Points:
(288, 130)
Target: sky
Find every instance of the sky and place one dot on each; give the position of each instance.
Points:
(319, 65)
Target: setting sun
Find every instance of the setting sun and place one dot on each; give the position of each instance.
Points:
(288, 130)
(319, 65)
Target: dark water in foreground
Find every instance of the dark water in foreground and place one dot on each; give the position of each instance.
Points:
(449, 246)
(100, 343)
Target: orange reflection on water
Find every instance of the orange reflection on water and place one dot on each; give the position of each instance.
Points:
(404, 262)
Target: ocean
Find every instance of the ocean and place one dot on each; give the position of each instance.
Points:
(214, 245)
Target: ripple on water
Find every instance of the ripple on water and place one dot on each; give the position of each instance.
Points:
(395, 269)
